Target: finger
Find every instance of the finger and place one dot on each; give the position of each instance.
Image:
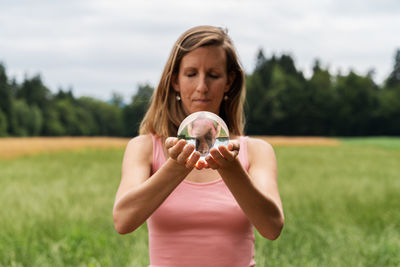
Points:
(211, 163)
(206, 166)
(174, 151)
(235, 153)
(183, 157)
(234, 145)
(170, 142)
(191, 162)
(226, 154)
(200, 164)
(217, 156)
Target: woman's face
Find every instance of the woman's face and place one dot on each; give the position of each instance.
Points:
(202, 79)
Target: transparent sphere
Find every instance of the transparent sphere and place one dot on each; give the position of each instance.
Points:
(204, 130)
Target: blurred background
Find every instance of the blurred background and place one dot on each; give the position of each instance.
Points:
(323, 80)
(88, 67)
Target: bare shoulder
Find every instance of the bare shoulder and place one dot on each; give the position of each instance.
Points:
(140, 147)
(257, 145)
(259, 151)
(141, 140)
(136, 164)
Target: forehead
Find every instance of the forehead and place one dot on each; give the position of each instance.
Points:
(207, 56)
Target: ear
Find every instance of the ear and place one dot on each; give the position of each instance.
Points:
(175, 83)
(231, 78)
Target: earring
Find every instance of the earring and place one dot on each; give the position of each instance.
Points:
(178, 97)
(226, 97)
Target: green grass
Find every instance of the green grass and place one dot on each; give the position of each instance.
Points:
(383, 142)
(341, 207)
(57, 211)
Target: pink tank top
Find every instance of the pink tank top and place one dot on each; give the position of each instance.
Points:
(200, 224)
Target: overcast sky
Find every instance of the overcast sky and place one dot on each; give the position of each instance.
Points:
(100, 46)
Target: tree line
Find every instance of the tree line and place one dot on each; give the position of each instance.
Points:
(280, 101)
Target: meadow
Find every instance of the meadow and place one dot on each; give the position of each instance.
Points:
(341, 203)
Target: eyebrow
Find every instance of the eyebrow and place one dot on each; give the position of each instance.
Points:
(194, 68)
(189, 68)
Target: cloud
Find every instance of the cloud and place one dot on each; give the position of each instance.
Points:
(102, 46)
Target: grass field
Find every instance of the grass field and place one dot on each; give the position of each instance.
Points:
(341, 206)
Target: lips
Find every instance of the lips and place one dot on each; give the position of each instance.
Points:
(201, 100)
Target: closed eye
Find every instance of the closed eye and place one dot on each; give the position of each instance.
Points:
(214, 76)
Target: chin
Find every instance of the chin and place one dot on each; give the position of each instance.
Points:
(197, 108)
(204, 109)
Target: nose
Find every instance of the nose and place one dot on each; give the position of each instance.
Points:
(202, 86)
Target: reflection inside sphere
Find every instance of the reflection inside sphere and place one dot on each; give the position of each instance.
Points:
(204, 130)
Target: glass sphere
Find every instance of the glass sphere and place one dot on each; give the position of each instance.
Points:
(204, 130)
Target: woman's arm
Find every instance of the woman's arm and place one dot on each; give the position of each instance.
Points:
(139, 195)
(256, 191)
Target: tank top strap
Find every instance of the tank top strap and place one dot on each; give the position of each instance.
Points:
(158, 153)
(243, 156)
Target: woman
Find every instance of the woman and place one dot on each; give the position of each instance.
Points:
(199, 213)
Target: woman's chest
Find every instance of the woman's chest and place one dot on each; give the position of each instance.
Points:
(203, 176)
(208, 208)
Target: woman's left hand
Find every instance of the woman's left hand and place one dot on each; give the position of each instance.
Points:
(224, 156)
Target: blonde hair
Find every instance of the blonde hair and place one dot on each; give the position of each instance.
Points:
(165, 113)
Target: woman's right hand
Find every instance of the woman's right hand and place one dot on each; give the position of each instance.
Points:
(181, 152)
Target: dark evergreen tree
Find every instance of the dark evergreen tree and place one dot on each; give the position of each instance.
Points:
(34, 92)
(320, 102)
(8, 122)
(357, 98)
(275, 92)
(394, 77)
(135, 111)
